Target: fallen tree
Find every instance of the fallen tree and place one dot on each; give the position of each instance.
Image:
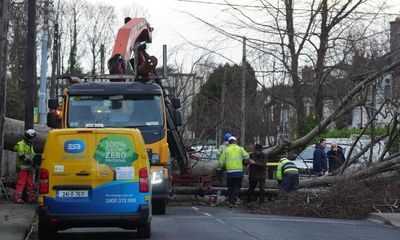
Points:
(366, 173)
(13, 132)
(343, 108)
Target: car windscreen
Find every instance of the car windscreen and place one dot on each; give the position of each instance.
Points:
(115, 111)
(307, 153)
(209, 155)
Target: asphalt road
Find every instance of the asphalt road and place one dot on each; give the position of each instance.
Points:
(197, 223)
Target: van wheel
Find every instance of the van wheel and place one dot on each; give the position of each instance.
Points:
(46, 233)
(159, 206)
(144, 231)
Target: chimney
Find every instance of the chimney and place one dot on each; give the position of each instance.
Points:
(395, 35)
(307, 74)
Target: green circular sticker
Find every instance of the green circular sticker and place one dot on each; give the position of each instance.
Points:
(115, 151)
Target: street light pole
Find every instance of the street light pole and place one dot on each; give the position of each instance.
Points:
(43, 65)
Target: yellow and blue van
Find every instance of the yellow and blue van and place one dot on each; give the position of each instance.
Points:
(94, 177)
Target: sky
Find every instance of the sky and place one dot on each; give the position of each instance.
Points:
(174, 27)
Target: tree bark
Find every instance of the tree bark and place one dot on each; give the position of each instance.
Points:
(4, 16)
(321, 54)
(13, 132)
(369, 172)
(30, 74)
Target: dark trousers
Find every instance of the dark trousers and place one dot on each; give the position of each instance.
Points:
(290, 183)
(234, 185)
(252, 186)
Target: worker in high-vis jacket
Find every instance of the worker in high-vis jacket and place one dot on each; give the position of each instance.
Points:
(221, 150)
(224, 145)
(287, 175)
(233, 160)
(25, 156)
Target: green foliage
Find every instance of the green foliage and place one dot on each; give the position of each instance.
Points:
(311, 122)
(207, 108)
(15, 101)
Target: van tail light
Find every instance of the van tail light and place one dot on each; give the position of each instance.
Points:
(143, 180)
(44, 181)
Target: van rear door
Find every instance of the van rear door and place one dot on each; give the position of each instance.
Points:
(71, 175)
(96, 171)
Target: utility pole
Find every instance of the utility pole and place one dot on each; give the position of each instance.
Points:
(43, 66)
(223, 93)
(373, 123)
(54, 61)
(30, 74)
(4, 15)
(243, 108)
(102, 60)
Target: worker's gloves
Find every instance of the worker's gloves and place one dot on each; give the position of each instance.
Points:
(26, 158)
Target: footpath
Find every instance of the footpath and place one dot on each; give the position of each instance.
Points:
(392, 219)
(16, 220)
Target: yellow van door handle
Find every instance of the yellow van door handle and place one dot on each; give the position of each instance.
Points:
(83, 173)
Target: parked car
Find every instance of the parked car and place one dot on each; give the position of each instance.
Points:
(304, 160)
(209, 155)
(206, 163)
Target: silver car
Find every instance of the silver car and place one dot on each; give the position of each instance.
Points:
(304, 160)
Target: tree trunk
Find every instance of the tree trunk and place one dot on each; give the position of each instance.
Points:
(4, 11)
(14, 129)
(319, 67)
(341, 109)
(369, 172)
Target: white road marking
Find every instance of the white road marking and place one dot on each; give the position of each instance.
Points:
(221, 221)
(207, 214)
(295, 220)
(195, 208)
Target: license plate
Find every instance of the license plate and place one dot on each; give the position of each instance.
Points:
(73, 194)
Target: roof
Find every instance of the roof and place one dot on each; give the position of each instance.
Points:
(114, 88)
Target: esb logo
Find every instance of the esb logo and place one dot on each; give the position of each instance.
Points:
(74, 146)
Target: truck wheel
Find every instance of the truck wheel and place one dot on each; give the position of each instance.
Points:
(46, 232)
(144, 231)
(159, 206)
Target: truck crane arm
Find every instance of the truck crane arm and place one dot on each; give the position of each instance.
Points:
(136, 33)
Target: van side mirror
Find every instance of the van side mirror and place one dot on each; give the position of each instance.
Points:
(52, 119)
(176, 103)
(53, 104)
(177, 118)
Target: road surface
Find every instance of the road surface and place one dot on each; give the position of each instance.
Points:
(198, 223)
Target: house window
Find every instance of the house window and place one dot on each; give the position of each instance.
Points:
(387, 89)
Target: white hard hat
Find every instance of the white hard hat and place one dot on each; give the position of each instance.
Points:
(30, 134)
(232, 138)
